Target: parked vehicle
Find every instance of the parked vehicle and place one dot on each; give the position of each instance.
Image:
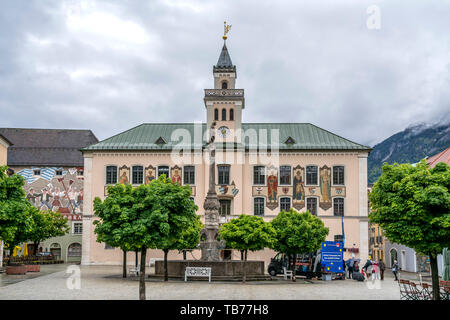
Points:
(45, 254)
(307, 265)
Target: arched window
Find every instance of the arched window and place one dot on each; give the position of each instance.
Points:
(74, 250)
(216, 114)
(394, 256)
(224, 85)
(231, 114)
(224, 114)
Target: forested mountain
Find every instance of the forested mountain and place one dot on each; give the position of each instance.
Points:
(410, 145)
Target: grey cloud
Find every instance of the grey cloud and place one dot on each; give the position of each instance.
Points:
(298, 62)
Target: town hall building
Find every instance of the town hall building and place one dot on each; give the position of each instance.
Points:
(261, 169)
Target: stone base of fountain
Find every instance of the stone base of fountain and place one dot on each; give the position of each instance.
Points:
(228, 270)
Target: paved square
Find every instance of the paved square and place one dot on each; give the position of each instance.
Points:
(104, 282)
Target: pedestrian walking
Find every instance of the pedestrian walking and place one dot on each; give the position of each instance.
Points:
(395, 269)
(350, 267)
(382, 267)
(367, 268)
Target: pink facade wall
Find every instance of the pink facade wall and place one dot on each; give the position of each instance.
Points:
(355, 220)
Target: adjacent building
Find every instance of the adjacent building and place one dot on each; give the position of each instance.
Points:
(261, 169)
(4, 144)
(52, 165)
(408, 259)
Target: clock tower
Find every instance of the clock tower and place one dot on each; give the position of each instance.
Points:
(224, 103)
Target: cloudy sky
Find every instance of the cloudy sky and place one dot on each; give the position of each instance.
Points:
(111, 65)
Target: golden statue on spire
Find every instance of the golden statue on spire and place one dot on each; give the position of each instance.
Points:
(226, 29)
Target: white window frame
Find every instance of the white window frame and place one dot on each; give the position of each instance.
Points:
(318, 174)
(332, 175)
(106, 174)
(290, 203)
(195, 174)
(229, 173)
(157, 170)
(317, 204)
(143, 174)
(264, 206)
(253, 175)
(332, 204)
(290, 172)
(73, 227)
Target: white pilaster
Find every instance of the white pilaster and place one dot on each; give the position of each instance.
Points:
(87, 211)
(363, 207)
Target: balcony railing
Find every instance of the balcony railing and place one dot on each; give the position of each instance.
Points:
(224, 92)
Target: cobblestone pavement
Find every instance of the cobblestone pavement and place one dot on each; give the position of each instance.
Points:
(104, 282)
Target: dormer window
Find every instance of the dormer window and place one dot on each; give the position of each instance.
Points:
(289, 140)
(224, 85)
(160, 141)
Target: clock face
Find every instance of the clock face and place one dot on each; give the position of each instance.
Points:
(224, 132)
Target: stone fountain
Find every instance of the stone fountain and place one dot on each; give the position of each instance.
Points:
(210, 245)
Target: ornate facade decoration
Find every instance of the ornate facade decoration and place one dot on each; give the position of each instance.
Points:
(124, 174)
(272, 188)
(175, 173)
(150, 174)
(325, 188)
(298, 194)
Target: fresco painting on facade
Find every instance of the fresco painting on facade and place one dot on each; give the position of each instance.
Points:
(298, 189)
(325, 188)
(124, 175)
(175, 173)
(149, 174)
(55, 189)
(272, 188)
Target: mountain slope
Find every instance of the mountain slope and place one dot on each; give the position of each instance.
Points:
(411, 145)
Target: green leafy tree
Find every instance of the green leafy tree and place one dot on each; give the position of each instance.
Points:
(15, 210)
(190, 238)
(148, 216)
(115, 225)
(247, 233)
(298, 233)
(173, 204)
(412, 204)
(46, 225)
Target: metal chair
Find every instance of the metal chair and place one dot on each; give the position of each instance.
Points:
(405, 290)
(427, 291)
(444, 289)
(416, 294)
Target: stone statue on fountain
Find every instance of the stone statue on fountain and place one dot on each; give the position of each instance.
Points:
(209, 244)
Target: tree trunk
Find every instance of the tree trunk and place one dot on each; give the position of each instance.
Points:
(242, 255)
(142, 274)
(166, 274)
(294, 267)
(245, 269)
(184, 254)
(434, 276)
(124, 264)
(136, 258)
(35, 247)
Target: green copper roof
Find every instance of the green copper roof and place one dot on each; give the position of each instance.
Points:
(300, 136)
